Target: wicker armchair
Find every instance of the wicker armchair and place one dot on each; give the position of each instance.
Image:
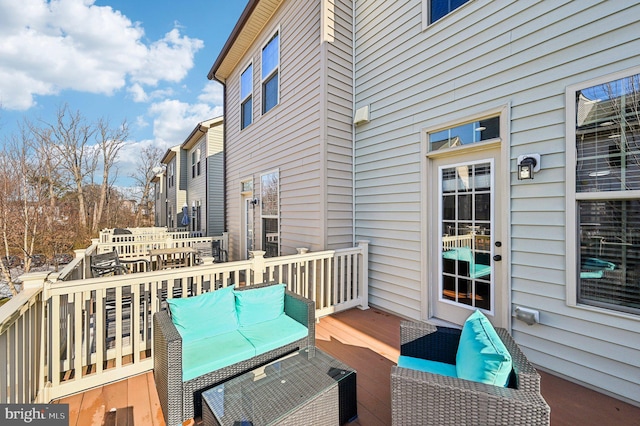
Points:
(182, 401)
(423, 398)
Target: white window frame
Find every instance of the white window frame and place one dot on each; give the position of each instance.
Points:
(244, 99)
(572, 272)
(272, 72)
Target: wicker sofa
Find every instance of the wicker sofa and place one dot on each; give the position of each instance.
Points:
(179, 392)
(419, 397)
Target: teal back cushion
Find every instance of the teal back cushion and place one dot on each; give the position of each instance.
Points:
(205, 315)
(481, 356)
(255, 305)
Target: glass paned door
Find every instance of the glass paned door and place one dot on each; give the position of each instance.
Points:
(465, 276)
(248, 226)
(465, 223)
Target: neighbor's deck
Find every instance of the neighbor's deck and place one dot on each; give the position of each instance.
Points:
(369, 342)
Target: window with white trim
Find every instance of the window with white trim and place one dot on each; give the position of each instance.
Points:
(605, 128)
(246, 97)
(195, 163)
(172, 177)
(437, 9)
(270, 213)
(270, 73)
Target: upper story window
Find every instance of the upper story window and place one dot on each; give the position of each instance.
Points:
(246, 97)
(603, 192)
(270, 72)
(436, 9)
(171, 175)
(195, 163)
(464, 134)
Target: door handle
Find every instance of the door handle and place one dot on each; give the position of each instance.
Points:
(497, 257)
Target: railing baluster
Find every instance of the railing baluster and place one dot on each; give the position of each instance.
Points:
(118, 326)
(77, 336)
(99, 332)
(135, 323)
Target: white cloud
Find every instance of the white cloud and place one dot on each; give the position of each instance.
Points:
(173, 120)
(50, 46)
(212, 94)
(168, 59)
(138, 93)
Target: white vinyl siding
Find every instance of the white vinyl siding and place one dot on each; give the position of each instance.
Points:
(338, 127)
(488, 54)
(307, 137)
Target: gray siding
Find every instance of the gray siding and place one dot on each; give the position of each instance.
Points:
(196, 190)
(313, 157)
(487, 54)
(338, 68)
(215, 180)
(286, 138)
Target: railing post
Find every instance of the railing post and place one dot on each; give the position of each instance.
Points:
(34, 281)
(84, 268)
(258, 267)
(363, 284)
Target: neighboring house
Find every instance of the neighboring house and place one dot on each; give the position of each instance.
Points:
(160, 198)
(176, 191)
(288, 144)
(205, 177)
(452, 107)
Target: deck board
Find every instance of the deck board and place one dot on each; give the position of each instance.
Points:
(368, 341)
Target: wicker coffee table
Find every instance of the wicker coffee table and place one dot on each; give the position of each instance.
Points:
(306, 387)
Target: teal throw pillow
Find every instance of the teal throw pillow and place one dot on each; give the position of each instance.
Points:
(259, 304)
(481, 356)
(205, 315)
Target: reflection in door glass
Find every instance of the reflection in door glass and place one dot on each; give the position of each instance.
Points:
(465, 220)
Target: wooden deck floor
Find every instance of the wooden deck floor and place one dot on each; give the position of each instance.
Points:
(367, 341)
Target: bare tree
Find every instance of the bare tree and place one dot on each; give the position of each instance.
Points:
(110, 141)
(70, 137)
(146, 169)
(8, 178)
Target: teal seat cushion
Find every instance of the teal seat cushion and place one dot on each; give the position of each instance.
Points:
(208, 354)
(204, 315)
(259, 304)
(481, 356)
(464, 254)
(428, 366)
(271, 334)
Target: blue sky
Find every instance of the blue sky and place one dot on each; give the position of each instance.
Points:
(140, 60)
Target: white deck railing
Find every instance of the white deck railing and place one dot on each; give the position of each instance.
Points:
(62, 337)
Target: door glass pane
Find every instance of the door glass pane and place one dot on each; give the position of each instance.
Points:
(248, 226)
(465, 221)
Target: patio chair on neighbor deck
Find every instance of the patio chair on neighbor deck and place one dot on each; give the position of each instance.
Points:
(203, 251)
(439, 397)
(106, 264)
(110, 264)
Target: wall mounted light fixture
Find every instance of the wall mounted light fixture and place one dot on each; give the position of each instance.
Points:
(528, 165)
(254, 202)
